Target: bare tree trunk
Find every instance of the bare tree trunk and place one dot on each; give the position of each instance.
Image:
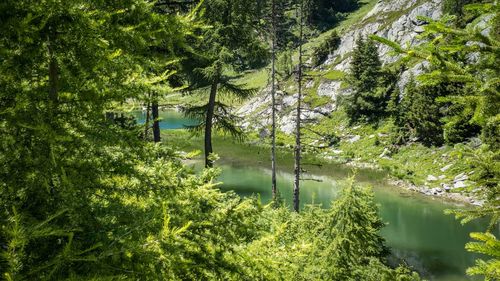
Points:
(296, 186)
(156, 121)
(146, 123)
(273, 103)
(208, 124)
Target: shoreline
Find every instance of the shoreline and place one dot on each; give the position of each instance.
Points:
(438, 193)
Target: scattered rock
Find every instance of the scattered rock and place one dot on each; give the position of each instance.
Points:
(354, 139)
(431, 178)
(264, 133)
(477, 203)
(461, 177)
(442, 177)
(446, 168)
(459, 184)
(385, 154)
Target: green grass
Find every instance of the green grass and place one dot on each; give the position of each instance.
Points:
(334, 75)
(257, 79)
(413, 162)
(356, 17)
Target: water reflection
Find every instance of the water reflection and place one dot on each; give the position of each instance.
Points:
(418, 231)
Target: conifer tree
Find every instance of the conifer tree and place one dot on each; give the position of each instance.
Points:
(63, 65)
(365, 102)
(468, 56)
(273, 96)
(229, 45)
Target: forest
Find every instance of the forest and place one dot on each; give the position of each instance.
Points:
(250, 140)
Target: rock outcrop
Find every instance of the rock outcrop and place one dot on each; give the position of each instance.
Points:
(396, 20)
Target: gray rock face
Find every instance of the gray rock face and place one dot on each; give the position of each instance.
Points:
(395, 20)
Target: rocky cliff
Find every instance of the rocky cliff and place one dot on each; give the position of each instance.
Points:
(392, 19)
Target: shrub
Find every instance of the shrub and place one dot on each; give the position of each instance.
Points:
(491, 133)
(326, 47)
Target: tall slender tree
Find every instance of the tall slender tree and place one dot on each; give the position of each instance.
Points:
(297, 152)
(156, 119)
(273, 98)
(230, 44)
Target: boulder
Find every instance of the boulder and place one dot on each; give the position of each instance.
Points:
(461, 177)
(446, 168)
(431, 178)
(385, 154)
(354, 139)
(446, 187)
(459, 184)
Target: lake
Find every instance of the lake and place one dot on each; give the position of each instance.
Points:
(417, 230)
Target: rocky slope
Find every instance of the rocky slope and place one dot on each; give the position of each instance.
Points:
(392, 19)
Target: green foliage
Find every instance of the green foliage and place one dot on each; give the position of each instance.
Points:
(419, 114)
(284, 64)
(491, 132)
(342, 243)
(486, 166)
(223, 120)
(467, 56)
(488, 245)
(354, 234)
(324, 13)
(456, 8)
(325, 48)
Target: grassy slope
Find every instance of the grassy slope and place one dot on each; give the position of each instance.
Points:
(412, 162)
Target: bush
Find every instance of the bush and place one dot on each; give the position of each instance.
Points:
(418, 115)
(458, 122)
(326, 47)
(491, 133)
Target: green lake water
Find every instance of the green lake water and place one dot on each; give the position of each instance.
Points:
(170, 119)
(417, 230)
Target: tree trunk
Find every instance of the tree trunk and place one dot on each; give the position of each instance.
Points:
(156, 121)
(296, 186)
(208, 124)
(146, 122)
(273, 103)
